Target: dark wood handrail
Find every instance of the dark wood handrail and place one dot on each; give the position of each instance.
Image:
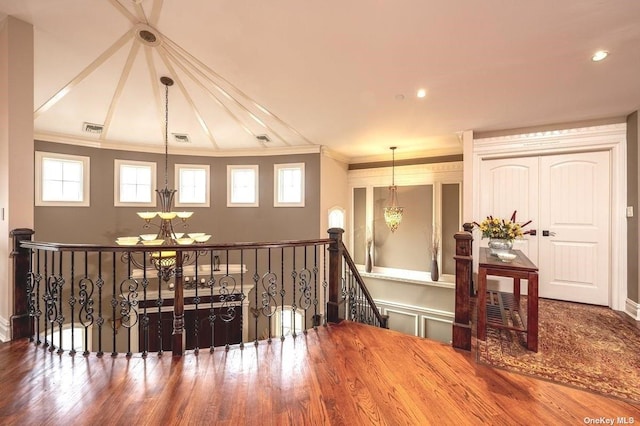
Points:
(356, 274)
(49, 246)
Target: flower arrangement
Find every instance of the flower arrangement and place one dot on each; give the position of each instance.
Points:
(493, 227)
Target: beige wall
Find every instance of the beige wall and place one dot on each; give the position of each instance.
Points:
(334, 190)
(16, 148)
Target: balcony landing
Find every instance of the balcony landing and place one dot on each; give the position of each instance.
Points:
(341, 374)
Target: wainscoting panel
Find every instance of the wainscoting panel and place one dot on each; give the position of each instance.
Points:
(403, 322)
(436, 328)
(418, 321)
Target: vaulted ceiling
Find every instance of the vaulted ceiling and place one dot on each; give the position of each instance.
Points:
(342, 74)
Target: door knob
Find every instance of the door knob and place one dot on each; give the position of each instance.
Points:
(547, 233)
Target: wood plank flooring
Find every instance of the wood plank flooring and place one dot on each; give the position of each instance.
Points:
(346, 374)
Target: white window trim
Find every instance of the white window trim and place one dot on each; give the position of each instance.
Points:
(230, 169)
(116, 183)
(206, 168)
(276, 185)
(86, 183)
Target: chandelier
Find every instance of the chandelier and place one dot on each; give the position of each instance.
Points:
(392, 212)
(166, 228)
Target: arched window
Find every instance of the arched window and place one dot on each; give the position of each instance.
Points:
(336, 217)
(285, 321)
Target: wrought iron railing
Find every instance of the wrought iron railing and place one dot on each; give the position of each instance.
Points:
(120, 299)
(360, 305)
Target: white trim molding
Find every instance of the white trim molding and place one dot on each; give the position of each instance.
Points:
(632, 309)
(5, 330)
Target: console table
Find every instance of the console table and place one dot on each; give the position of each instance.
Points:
(520, 268)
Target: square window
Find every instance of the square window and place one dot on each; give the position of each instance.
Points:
(289, 185)
(242, 186)
(134, 183)
(61, 180)
(193, 185)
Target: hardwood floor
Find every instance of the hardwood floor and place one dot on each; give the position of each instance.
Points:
(342, 374)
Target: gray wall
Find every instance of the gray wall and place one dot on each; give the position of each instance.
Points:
(409, 247)
(101, 223)
(633, 188)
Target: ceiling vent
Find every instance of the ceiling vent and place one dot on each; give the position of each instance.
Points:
(263, 138)
(181, 137)
(92, 128)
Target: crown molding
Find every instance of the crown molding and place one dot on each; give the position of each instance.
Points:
(417, 174)
(174, 150)
(550, 140)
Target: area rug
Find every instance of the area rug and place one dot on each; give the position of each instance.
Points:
(585, 346)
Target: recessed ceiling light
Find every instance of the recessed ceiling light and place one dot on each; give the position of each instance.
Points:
(599, 55)
(422, 93)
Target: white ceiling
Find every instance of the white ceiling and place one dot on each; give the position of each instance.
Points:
(328, 73)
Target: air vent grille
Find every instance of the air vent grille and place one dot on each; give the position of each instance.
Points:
(181, 137)
(92, 128)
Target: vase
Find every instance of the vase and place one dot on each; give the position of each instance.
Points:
(367, 260)
(500, 245)
(435, 274)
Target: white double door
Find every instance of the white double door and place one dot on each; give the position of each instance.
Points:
(567, 197)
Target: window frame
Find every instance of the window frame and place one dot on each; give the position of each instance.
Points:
(207, 182)
(40, 156)
(117, 163)
(276, 185)
(231, 168)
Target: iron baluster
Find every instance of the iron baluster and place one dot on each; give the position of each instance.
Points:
(100, 321)
(114, 304)
(145, 317)
(212, 312)
(85, 294)
(256, 310)
(60, 317)
(293, 302)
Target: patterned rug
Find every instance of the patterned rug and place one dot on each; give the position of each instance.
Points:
(585, 346)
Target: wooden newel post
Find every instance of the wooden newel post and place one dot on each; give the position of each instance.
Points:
(21, 325)
(464, 265)
(335, 304)
(178, 337)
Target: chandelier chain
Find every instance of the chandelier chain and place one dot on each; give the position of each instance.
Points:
(166, 134)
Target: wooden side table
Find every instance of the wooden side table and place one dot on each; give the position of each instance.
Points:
(520, 268)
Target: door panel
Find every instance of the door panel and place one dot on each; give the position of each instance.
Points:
(507, 185)
(575, 209)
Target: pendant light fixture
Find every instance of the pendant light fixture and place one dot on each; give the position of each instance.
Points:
(392, 212)
(165, 234)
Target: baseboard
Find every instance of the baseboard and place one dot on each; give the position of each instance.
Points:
(632, 309)
(5, 330)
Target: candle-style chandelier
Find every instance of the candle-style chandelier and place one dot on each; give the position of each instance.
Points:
(166, 228)
(393, 212)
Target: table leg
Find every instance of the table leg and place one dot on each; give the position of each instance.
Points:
(516, 292)
(532, 312)
(482, 304)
